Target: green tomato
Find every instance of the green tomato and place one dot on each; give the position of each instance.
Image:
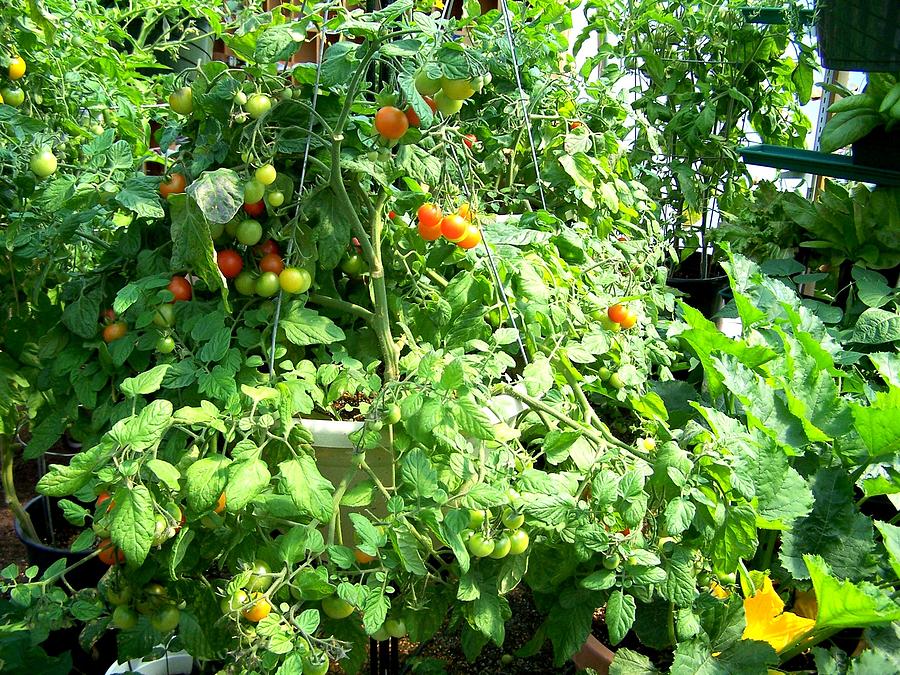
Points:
(276, 198)
(43, 163)
(182, 101)
(245, 283)
(266, 174)
(240, 98)
(512, 520)
(118, 594)
(166, 619)
(164, 316)
(425, 85)
(518, 542)
(458, 90)
(604, 373)
(13, 96)
(612, 561)
(446, 105)
(476, 518)
(336, 608)
(234, 602)
(353, 265)
(253, 191)
(395, 628)
(609, 324)
(380, 635)
(124, 618)
(480, 546)
(161, 530)
(295, 280)
(249, 232)
(216, 230)
(258, 105)
(315, 663)
(392, 414)
(502, 545)
(615, 381)
(285, 94)
(267, 285)
(261, 578)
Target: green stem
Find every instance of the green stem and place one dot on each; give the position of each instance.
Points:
(336, 503)
(9, 488)
(342, 305)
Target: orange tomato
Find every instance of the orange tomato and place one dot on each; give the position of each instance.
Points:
(454, 227)
(175, 185)
(109, 554)
(429, 233)
(391, 122)
(271, 262)
(472, 238)
(617, 313)
(629, 319)
(430, 215)
(362, 557)
(259, 610)
(220, 505)
(466, 212)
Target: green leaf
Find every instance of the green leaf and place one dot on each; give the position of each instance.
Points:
(846, 127)
(878, 424)
(890, 536)
(876, 326)
(307, 488)
(74, 513)
(45, 435)
(407, 548)
(279, 43)
(192, 246)
(146, 429)
(166, 473)
(80, 316)
(417, 472)
(304, 327)
(871, 287)
(488, 615)
(140, 195)
(219, 194)
(628, 662)
(145, 383)
(206, 480)
(843, 604)
(620, 610)
(246, 479)
(133, 525)
(681, 586)
(736, 538)
(61, 480)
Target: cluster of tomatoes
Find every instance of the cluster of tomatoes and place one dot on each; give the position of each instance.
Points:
(456, 227)
(487, 537)
(253, 106)
(272, 275)
(152, 601)
(43, 162)
(622, 316)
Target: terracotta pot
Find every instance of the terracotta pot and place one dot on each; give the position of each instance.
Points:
(594, 654)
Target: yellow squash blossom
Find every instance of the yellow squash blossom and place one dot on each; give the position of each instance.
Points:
(768, 622)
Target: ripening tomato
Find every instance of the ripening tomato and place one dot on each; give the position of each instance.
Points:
(109, 554)
(174, 186)
(454, 227)
(412, 117)
(266, 174)
(362, 557)
(245, 283)
(271, 262)
(104, 497)
(114, 331)
(295, 280)
(43, 163)
(465, 210)
(267, 247)
(427, 86)
(469, 140)
(429, 233)
(458, 90)
(276, 198)
(574, 125)
(220, 504)
(617, 313)
(391, 123)
(267, 285)
(182, 101)
(447, 105)
(629, 319)
(391, 215)
(256, 209)
(249, 232)
(230, 263)
(430, 215)
(336, 608)
(258, 105)
(16, 67)
(180, 288)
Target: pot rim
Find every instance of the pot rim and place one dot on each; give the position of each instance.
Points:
(40, 545)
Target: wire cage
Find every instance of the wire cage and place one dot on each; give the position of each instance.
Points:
(859, 34)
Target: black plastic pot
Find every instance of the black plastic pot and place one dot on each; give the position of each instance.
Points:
(701, 293)
(44, 555)
(859, 34)
(880, 148)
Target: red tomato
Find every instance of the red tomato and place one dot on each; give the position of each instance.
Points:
(391, 122)
(104, 497)
(267, 247)
(109, 554)
(454, 227)
(412, 117)
(230, 263)
(175, 185)
(109, 315)
(391, 215)
(429, 215)
(574, 125)
(469, 140)
(429, 233)
(180, 288)
(256, 209)
(431, 103)
(617, 313)
(271, 262)
(114, 331)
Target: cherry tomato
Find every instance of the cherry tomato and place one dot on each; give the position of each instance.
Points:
(457, 90)
(109, 554)
(234, 602)
(267, 285)
(472, 238)
(16, 67)
(174, 186)
(276, 198)
(476, 518)
(267, 247)
(124, 618)
(501, 547)
(249, 232)
(362, 557)
(395, 628)
(180, 288)
(254, 191)
(617, 313)
(518, 542)
(258, 105)
(165, 345)
(427, 86)
(271, 262)
(230, 263)
(612, 561)
(465, 210)
(240, 98)
(391, 215)
(118, 594)
(431, 103)
(166, 619)
(164, 316)
(469, 140)
(220, 504)
(628, 320)
(412, 118)
(114, 331)
(615, 381)
(182, 101)
(336, 608)
(574, 125)
(256, 209)
(316, 663)
(512, 520)
(266, 174)
(429, 233)
(104, 497)
(429, 215)
(391, 123)
(43, 163)
(261, 578)
(155, 591)
(454, 227)
(446, 105)
(12, 96)
(353, 265)
(245, 283)
(380, 635)
(480, 546)
(295, 280)
(392, 414)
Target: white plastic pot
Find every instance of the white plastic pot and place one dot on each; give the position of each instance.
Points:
(173, 663)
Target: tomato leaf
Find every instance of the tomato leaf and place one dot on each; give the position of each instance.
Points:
(620, 611)
(307, 488)
(133, 525)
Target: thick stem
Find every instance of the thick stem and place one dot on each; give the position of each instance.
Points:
(342, 305)
(9, 488)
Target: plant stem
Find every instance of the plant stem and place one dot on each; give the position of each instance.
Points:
(9, 488)
(342, 305)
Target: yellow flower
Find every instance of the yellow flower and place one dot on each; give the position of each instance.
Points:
(768, 622)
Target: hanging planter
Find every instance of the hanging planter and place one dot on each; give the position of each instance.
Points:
(173, 663)
(859, 34)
